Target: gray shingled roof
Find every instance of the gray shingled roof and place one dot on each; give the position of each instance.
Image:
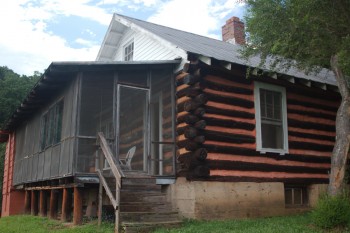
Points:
(220, 50)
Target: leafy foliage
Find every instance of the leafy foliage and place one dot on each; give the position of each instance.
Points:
(332, 211)
(13, 89)
(302, 33)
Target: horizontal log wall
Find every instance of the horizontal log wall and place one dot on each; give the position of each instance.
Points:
(217, 136)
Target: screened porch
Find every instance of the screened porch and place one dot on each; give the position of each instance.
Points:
(134, 108)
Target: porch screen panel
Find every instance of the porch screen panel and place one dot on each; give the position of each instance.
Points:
(162, 123)
(133, 78)
(20, 143)
(24, 170)
(32, 135)
(29, 169)
(35, 162)
(96, 115)
(55, 160)
(47, 163)
(68, 125)
(96, 106)
(33, 142)
(64, 158)
(20, 154)
(86, 160)
(16, 175)
(133, 118)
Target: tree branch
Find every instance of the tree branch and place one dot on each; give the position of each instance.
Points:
(342, 84)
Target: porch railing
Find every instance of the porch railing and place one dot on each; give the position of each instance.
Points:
(117, 173)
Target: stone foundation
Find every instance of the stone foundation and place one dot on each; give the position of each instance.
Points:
(229, 200)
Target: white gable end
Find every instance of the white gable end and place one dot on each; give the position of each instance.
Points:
(145, 48)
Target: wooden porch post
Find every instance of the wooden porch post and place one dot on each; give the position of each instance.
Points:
(77, 207)
(43, 203)
(100, 200)
(66, 204)
(53, 203)
(34, 203)
(27, 200)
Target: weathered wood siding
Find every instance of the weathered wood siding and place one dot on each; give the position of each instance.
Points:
(221, 128)
(145, 48)
(33, 164)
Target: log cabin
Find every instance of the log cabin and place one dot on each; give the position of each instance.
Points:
(206, 134)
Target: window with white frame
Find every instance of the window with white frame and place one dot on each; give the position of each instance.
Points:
(271, 118)
(129, 51)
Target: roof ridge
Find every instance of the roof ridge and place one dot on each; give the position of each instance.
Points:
(175, 29)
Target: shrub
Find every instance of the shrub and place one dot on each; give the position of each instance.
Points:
(331, 212)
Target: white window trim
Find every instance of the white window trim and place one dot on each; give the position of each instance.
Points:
(282, 90)
(125, 46)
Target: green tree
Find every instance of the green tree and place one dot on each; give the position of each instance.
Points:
(307, 34)
(13, 89)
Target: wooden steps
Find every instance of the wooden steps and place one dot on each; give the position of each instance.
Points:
(143, 205)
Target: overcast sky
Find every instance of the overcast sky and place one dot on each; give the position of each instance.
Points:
(36, 32)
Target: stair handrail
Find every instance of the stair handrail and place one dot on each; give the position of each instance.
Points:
(117, 173)
(107, 152)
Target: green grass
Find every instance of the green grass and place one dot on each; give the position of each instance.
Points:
(32, 224)
(291, 224)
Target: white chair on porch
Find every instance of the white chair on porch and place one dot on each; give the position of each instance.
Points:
(125, 163)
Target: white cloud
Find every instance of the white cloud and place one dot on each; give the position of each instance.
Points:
(131, 3)
(26, 45)
(87, 43)
(89, 32)
(197, 16)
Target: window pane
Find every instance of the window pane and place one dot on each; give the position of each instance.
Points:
(271, 135)
(59, 114)
(277, 106)
(288, 195)
(270, 104)
(129, 52)
(298, 196)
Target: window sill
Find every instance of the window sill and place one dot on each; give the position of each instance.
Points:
(303, 206)
(277, 151)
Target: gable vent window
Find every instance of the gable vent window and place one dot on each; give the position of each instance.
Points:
(271, 118)
(51, 126)
(129, 51)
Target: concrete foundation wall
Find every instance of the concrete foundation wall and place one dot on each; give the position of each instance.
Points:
(314, 193)
(225, 200)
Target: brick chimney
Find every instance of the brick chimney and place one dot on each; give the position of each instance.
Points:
(233, 31)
